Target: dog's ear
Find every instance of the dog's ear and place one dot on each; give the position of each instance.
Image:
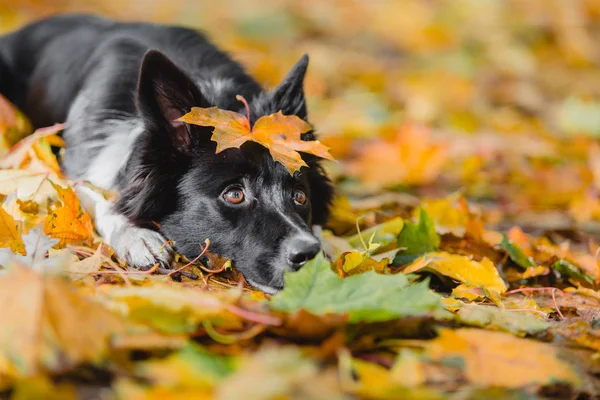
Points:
(289, 95)
(165, 93)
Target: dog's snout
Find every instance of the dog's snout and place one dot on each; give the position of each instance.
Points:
(301, 250)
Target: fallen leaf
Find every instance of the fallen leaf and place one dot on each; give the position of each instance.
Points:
(10, 233)
(190, 367)
(276, 372)
(366, 297)
(40, 387)
(463, 269)
(410, 158)
(515, 253)
(382, 234)
(46, 326)
(447, 213)
(171, 309)
(572, 271)
(30, 148)
(36, 247)
(417, 239)
(14, 126)
(499, 359)
(494, 318)
(69, 222)
(280, 134)
(82, 268)
(354, 263)
(468, 292)
(27, 185)
(376, 382)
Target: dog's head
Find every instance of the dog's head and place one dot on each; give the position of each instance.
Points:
(249, 206)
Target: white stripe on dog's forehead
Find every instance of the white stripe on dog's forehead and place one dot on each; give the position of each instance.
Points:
(214, 88)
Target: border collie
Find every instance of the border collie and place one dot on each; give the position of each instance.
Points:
(119, 87)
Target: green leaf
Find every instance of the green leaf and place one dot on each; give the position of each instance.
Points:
(192, 365)
(365, 297)
(515, 253)
(417, 239)
(491, 317)
(570, 270)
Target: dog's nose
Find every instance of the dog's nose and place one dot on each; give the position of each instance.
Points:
(301, 250)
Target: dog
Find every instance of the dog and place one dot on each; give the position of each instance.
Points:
(119, 87)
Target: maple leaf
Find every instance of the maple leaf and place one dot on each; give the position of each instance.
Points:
(462, 269)
(280, 134)
(10, 233)
(69, 222)
(365, 297)
(46, 326)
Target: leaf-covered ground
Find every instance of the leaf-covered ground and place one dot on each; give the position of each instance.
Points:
(464, 237)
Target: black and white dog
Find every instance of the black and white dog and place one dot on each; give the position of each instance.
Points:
(119, 87)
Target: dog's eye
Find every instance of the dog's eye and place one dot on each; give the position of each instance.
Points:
(234, 195)
(299, 197)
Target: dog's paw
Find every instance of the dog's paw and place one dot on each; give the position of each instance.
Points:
(142, 248)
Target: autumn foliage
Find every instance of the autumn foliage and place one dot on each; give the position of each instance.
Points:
(279, 133)
(460, 259)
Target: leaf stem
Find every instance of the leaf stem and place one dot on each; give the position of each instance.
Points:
(241, 98)
(362, 241)
(207, 242)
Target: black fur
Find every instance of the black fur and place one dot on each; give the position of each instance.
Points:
(91, 72)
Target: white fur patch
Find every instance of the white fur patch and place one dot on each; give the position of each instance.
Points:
(214, 88)
(139, 247)
(105, 167)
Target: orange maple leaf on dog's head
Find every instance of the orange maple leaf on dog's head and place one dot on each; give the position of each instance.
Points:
(280, 134)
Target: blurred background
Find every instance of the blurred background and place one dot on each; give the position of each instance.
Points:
(499, 99)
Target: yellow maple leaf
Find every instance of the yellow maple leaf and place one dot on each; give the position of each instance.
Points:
(10, 233)
(463, 269)
(69, 222)
(280, 134)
